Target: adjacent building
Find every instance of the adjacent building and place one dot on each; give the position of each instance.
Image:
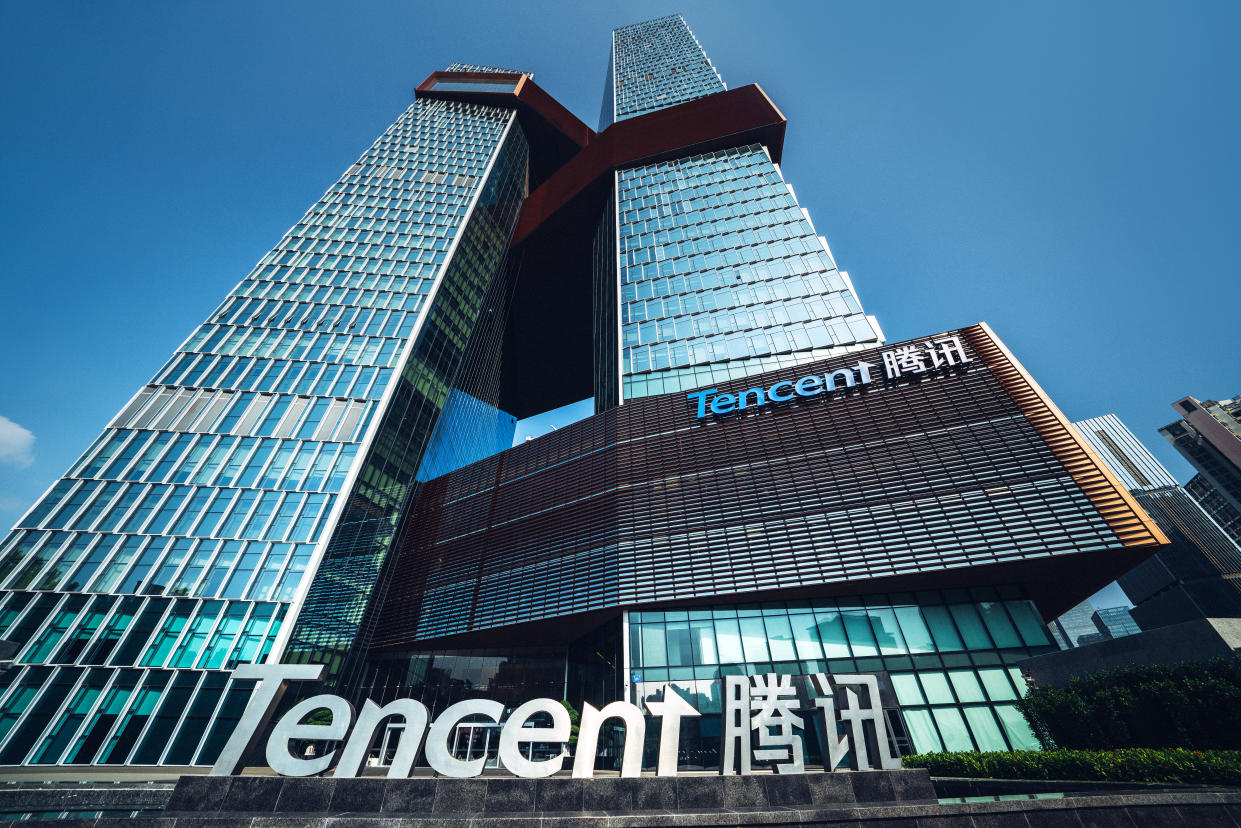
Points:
(1199, 574)
(321, 473)
(1116, 621)
(1076, 627)
(1215, 505)
(1208, 435)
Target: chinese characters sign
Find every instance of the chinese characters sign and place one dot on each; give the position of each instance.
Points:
(762, 717)
(911, 359)
(919, 359)
(763, 713)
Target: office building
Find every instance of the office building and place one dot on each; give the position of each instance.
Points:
(1116, 622)
(1075, 627)
(1208, 435)
(1215, 505)
(321, 473)
(1199, 574)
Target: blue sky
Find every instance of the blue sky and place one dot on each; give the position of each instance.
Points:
(1065, 171)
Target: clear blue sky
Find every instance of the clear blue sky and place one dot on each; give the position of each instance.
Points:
(1066, 171)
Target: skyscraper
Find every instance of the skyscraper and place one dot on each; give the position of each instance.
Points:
(1116, 621)
(1076, 627)
(654, 65)
(322, 473)
(1195, 577)
(281, 440)
(720, 272)
(1215, 505)
(1208, 435)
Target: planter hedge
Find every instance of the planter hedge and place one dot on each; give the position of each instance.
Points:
(1177, 765)
(1194, 705)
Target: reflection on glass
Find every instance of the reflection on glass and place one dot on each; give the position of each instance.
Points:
(805, 637)
(754, 639)
(1017, 728)
(728, 638)
(702, 636)
(832, 634)
(1019, 681)
(1033, 633)
(887, 634)
(680, 653)
(857, 627)
(917, 636)
(906, 687)
(654, 651)
(935, 684)
(997, 684)
(694, 648)
(942, 628)
(1001, 628)
(780, 638)
(970, 626)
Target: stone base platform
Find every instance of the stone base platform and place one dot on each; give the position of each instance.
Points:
(891, 799)
(562, 796)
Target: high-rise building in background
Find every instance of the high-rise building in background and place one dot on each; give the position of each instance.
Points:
(1199, 574)
(321, 473)
(1208, 435)
(1075, 627)
(1215, 505)
(1116, 622)
(1085, 624)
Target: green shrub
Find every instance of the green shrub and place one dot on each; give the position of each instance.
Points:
(1210, 767)
(1193, 705)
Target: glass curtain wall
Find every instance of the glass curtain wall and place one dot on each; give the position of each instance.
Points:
(945, 657)
(175, 547)
(351, 576)
(656, 64)
(722, 275)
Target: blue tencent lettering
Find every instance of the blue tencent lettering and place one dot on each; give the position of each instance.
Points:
(810, 385)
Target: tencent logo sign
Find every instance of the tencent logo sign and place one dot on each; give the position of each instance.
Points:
(905, 360)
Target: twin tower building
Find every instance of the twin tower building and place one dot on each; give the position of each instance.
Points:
(324, 471)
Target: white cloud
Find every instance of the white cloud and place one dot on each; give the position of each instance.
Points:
(16, 443)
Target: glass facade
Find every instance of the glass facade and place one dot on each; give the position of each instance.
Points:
(645, 503)
(352, 566)
(722, 275)
(321, 472)
(1197, 575)
(945, 659)
(1208, 435)
(716, 270)
(180, 543)
(655, 65)
(1216, 505)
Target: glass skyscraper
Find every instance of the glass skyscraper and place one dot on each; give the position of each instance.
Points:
(1197, 575)
(720, 272)
(1208, 435)
(323, 472)
(655, 65)
(245, 499)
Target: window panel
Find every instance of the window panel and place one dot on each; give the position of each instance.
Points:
(986, 732)
(922, 731)
(952, 728)
(1016, 728)
(728, 639)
